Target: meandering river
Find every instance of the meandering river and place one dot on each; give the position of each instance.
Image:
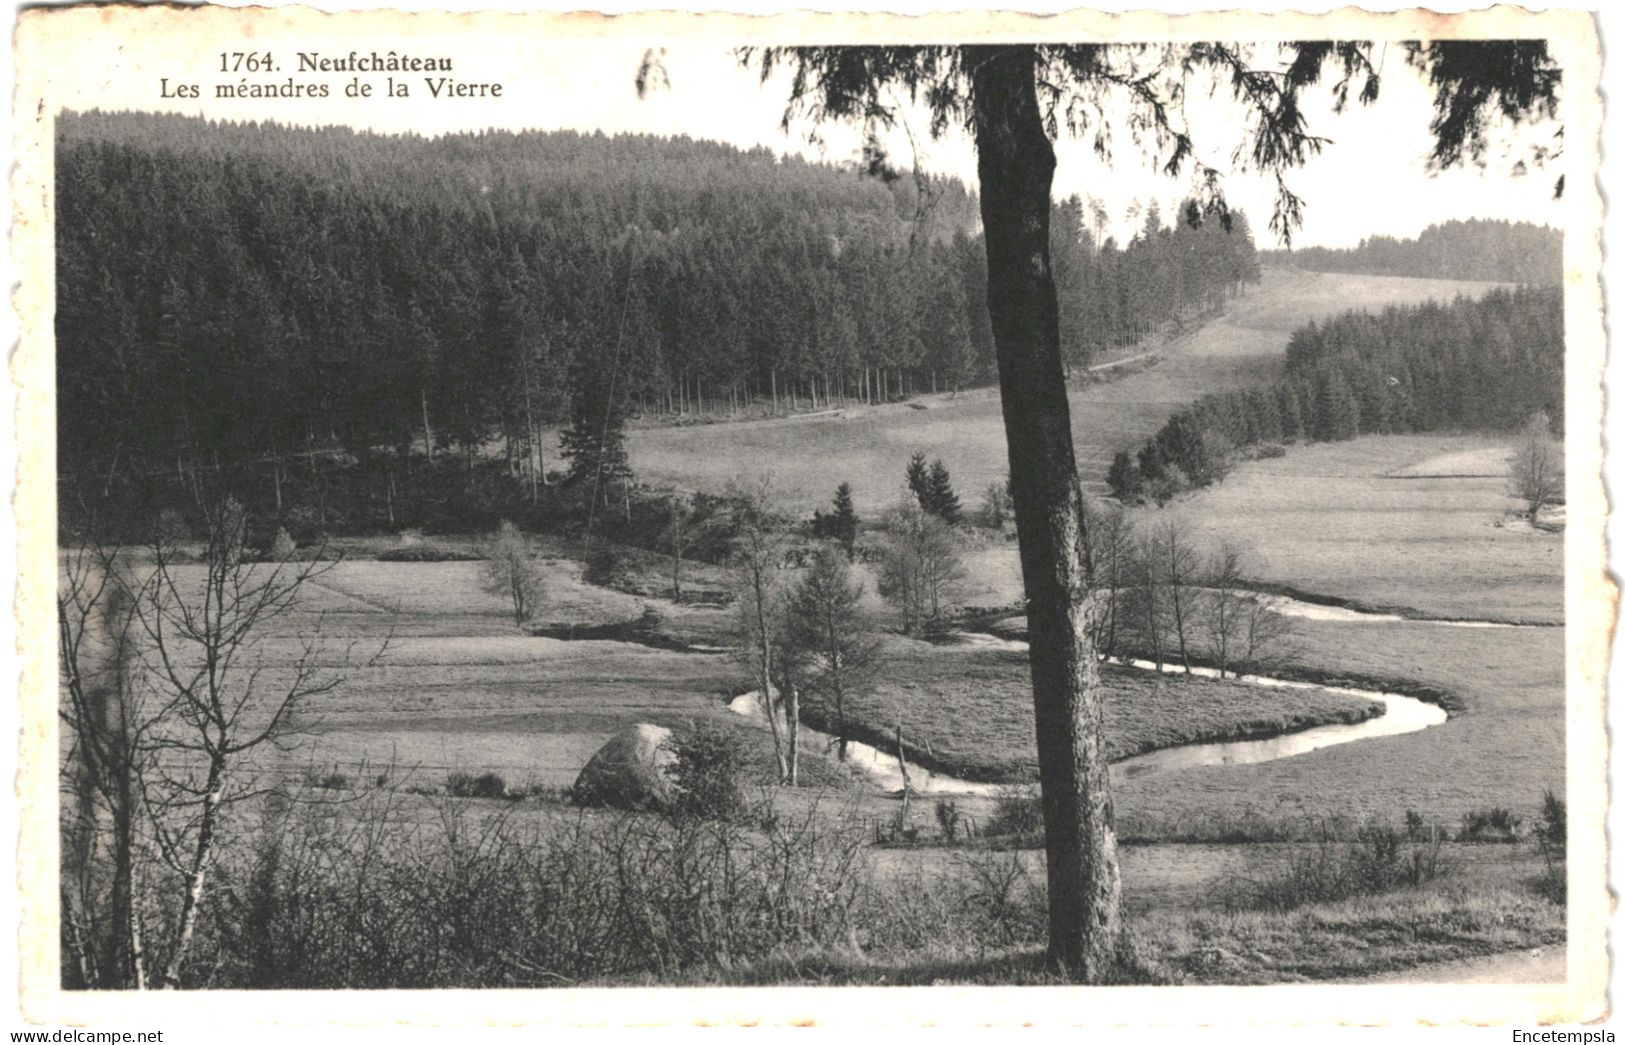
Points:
(1402, 714)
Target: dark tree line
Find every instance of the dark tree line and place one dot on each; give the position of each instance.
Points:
(326, 314)
(1486, 364)
(1485, 249)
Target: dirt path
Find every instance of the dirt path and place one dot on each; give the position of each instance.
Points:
(1539, 965)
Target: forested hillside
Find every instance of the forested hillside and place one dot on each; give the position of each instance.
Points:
(249, 299)
(1489, 364)
(1481, 249)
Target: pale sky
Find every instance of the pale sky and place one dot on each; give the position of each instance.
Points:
(1370, 180)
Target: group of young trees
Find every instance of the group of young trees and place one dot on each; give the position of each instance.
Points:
(1157, 595)
(1487, 249)
(1485, 364)
(933, 489)
(802, 630)
(919, 565)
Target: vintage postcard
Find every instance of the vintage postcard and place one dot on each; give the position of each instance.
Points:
(974, 518)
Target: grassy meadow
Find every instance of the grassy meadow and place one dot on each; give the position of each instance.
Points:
(438, 679)
(1337, 520)
(968, 712)
(867, 446)
(1417, 522)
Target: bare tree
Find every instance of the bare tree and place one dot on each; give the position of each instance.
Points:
(1178, 563)
(1145, 602)
(511, 571)
(199, 692)
(1537, 467)
(101, 770)
(1110, 553)
(1225, 604)
(678, 535)
(919, 566)
(1265, 634)
(759, 596)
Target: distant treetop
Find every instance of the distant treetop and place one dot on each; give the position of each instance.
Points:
(1488, 250)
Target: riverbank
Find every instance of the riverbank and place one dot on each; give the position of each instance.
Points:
(966, 711)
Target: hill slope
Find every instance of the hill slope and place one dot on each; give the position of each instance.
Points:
(869, 446)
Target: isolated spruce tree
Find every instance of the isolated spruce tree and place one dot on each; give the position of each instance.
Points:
(843, 522)
(832, 634)
(942, 501)
(918, 477)
(1124, 478)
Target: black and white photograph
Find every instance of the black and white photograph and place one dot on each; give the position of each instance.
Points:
(537, 504)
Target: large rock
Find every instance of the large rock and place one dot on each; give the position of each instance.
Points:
(629, 772)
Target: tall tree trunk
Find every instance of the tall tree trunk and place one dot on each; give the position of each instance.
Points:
(792, 724)
(196, 876)
(1016, 165)
(533, 450)
(764, 654)
(428, 434)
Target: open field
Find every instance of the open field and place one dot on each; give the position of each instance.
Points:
(1324, 519)
(1337, 519)
(438, 679)
(462, 688)
(868, 446)
(1504, 749)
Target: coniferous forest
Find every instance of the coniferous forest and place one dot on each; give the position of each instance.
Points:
(1486, 364)
(1484, 249)
(361, 326)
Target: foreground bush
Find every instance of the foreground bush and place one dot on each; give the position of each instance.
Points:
(1380, 859)
(1018, 809)
(484, 785)
(710, 764)
(353, 897)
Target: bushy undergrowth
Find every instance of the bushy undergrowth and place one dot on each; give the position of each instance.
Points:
(385, 892)
(427, 553)
(1490, 825)
(1379, 859)
(1552, 836)
(363, 896)
(709, 766)
(360, 899)
(1251, 825)
(482, 785)
(1018, 810)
